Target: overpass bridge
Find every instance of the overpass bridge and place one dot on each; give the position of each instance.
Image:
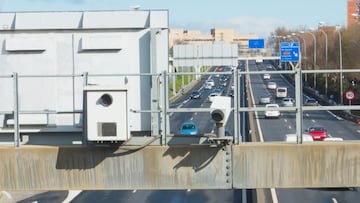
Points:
(168, 161)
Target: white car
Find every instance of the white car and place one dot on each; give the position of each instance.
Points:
(212, 95)
(287, 101)
(265, 99)
(266, 76)
(293, 138)
(272, 112)
(207, 86)
(271, 85)
(210, 81)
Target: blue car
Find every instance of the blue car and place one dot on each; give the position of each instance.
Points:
(189, 128)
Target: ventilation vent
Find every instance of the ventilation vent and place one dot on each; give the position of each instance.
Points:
(106, 129)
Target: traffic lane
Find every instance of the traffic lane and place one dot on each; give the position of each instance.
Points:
(202, 119)
(272, 126)
(160, 196)
(319, 195)
(335, 126)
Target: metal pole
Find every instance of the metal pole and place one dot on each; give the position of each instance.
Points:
(326, 59)
(305, 57)
(166, 117)
(314, 56)
(16, 111)
(341, 67)
(237, 134)
(298, 99)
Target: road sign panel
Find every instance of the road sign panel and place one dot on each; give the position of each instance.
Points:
(350, 95)
(289, 51)
(256, 43)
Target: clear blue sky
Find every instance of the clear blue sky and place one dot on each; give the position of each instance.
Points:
(244, 16)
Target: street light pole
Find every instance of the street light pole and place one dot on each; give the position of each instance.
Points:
(310, 33)
(326, 59)
(305, 57)
(341, 67)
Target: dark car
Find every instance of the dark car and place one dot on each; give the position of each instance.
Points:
(195, 94)
(311, 102)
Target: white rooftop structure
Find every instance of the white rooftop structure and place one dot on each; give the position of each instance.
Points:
(57, 54)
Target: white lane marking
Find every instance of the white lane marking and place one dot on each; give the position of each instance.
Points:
(273, 195)
(337, 117)
(289, 126)
(312, 120)
(358, 131)
(71, 195)
(195, 113)
(285, 120)
(134, 191)
(192, 118)
(334, 200)
(307, 114)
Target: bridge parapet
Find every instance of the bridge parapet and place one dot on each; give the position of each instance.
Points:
(250, 165)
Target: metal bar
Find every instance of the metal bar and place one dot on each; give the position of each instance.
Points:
(299, 102)
(165, 116)
(16, 111)
(236, 90)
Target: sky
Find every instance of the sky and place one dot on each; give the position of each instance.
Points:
(260, 17)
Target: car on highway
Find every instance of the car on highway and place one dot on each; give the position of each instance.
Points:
(272, 112)
(293, 138)
(311, 102)
(210, 81)
(189, 128)
(281, 92)
(266, 76)
(287, 101)
(207, 86)
(317, 132)
(271, 85)
(195, 94)
(265, 99)
(213, 94)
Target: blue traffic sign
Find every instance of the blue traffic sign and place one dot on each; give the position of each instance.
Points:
(289, 51)
(256, 44)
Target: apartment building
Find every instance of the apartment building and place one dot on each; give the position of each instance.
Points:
(353, 12)
(181, 36)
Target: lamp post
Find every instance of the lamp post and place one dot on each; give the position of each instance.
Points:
(314, 54)
(341, 67)
(305, 57)
(326, 59)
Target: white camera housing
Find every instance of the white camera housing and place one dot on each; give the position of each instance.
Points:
(220, 109)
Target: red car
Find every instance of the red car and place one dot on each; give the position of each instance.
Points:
(318, 133)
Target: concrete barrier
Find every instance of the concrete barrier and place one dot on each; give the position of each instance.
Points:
(250, 165)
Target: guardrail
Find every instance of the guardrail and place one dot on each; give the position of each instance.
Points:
(164, 104)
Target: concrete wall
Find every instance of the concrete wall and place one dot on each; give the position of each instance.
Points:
(252, 165)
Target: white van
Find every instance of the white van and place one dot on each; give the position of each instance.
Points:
(281, 92)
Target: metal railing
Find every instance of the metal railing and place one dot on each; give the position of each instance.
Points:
(163, 109)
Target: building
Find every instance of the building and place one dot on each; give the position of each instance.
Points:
(353, 12)
(57, 56)
(181, 36)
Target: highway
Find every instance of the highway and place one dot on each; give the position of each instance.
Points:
(203, 119)
(276, 129)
